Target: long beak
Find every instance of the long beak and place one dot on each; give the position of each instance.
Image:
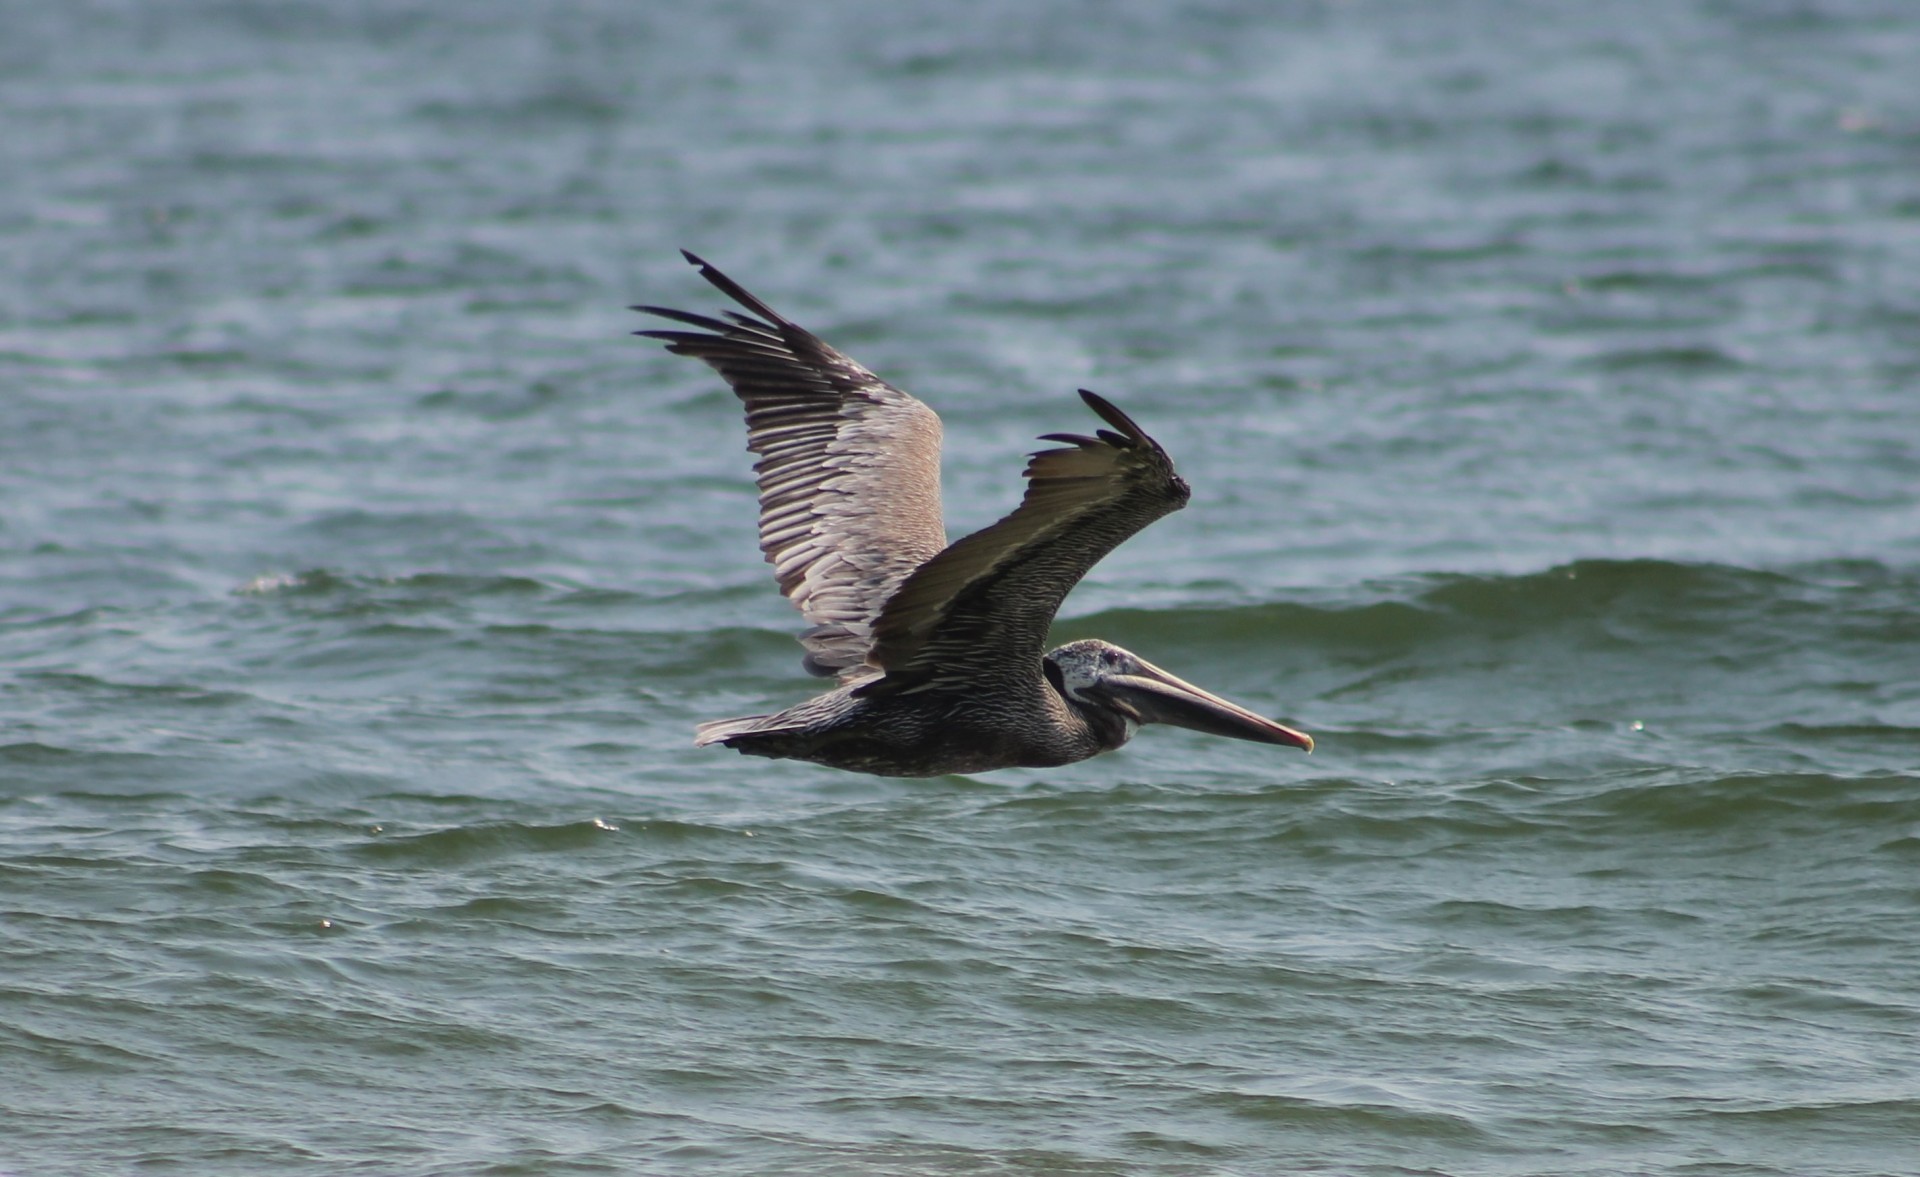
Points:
(1158, 697)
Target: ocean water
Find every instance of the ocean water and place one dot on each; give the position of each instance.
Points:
(1548, 378)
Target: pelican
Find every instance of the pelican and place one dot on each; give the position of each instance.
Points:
(939, 649)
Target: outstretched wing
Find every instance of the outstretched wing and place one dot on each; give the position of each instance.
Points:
(979, 612)
(849, 468)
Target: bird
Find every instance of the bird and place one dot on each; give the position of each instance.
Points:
(938, 649)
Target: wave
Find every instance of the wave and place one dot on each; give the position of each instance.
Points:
(1805, 668)
(1602, 601)
(1727, 803)
(317, 584)
(1624, 594)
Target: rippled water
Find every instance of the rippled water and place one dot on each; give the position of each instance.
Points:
(1546, 380)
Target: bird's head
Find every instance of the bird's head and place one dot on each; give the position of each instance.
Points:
(1108, 684)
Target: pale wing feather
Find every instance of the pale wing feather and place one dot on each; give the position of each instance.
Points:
(979, 611)
(849, 469)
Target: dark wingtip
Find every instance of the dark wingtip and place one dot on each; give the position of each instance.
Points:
(734, 290)
(1113, 416)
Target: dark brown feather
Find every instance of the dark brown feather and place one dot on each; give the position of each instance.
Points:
(979, 611)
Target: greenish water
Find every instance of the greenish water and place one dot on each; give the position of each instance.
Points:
(1546, 381)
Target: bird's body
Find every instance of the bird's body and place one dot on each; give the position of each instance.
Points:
(939, 647)
(922, 734)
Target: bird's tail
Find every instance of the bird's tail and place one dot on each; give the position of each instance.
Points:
(719, 731)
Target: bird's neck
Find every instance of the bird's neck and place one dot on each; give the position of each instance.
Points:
(1108, 729)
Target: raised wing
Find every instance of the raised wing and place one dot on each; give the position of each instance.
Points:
(849, 468)
(980, 610)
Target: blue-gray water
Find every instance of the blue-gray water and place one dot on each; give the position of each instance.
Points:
(1547, 379)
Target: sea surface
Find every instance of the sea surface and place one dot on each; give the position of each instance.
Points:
(1548, 378)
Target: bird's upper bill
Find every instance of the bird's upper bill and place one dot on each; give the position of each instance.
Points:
(1158, 697)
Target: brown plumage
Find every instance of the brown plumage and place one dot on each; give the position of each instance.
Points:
(939, 649)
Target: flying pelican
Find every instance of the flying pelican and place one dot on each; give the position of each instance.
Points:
(938, 647)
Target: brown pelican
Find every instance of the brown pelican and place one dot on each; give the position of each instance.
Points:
(938, 647)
